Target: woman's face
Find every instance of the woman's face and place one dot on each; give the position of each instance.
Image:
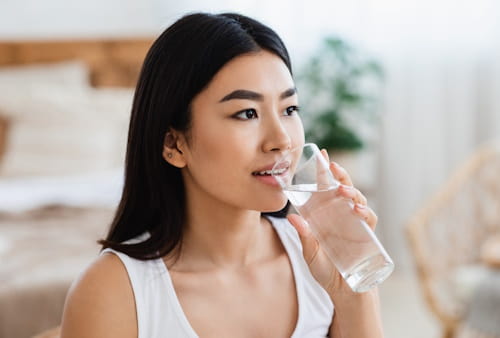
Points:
(241, 124)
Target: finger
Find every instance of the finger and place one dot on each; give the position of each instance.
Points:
(310, 245)
(323, 171)
(325, 155)
(340, 174)
(352, 193)
(367, 214)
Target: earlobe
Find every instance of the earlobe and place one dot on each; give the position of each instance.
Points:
(171, 152)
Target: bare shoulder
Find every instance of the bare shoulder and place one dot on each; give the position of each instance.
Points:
(100, 303)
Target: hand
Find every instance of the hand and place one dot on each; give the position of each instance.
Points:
(320, 265)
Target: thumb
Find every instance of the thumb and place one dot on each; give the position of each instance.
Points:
(310, 245)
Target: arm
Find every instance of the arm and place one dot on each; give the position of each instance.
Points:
(357, 315)
(100, 303)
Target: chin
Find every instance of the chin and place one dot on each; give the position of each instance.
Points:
(275, 206)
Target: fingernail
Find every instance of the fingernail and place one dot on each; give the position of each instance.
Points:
(360, 206)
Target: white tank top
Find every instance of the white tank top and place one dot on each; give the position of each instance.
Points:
(159, 312)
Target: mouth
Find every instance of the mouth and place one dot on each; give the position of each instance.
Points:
(279, 170)
(270, 172)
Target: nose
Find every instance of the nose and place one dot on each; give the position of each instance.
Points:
(276, 136)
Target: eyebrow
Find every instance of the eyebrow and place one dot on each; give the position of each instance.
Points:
(243, 94)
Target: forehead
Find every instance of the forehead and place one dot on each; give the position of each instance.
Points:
(262, 71)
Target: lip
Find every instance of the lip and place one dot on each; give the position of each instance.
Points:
(270, 179)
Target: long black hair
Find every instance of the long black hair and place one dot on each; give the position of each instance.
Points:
(178, 66)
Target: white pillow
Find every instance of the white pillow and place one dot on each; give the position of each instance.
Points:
(68, 73)
(56, 130)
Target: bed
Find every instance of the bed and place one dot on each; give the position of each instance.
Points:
(64, 109)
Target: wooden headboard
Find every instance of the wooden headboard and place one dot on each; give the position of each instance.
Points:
(113, 62)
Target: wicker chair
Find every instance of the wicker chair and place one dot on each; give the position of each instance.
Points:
(447, 233)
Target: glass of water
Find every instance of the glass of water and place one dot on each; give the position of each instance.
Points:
(306, 179)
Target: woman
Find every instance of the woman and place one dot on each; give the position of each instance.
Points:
(197, 247)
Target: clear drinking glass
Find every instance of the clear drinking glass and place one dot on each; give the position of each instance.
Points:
(306, 179)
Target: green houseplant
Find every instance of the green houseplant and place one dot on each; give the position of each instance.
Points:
(340, 86)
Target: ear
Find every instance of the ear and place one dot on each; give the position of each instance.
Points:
(172, 144)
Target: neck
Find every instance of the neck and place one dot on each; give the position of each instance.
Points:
(225, 240)
(220, 236)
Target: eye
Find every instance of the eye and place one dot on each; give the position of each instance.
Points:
(246, 114)
(292, 110)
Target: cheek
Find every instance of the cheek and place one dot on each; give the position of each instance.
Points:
(213, 156)
(216, 144)
(296, 133)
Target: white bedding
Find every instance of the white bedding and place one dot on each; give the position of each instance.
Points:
(101, 189)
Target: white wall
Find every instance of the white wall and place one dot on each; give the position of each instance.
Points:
(40, 19)
(58, 18)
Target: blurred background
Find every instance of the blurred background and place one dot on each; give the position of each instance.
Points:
(409, 89)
